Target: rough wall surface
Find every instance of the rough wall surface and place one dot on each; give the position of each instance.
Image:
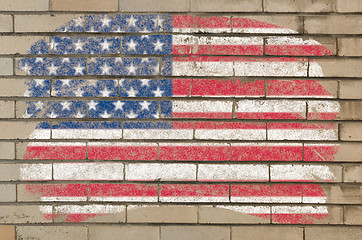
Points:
(180, 119)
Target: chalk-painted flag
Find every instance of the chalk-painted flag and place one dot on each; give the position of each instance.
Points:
(175, 113)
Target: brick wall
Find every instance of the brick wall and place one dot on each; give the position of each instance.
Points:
(41, 197)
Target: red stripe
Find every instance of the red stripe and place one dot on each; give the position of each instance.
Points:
(269, 115)
(182, 125)
(251, 23)
(322, 115)
(229, 125)
(195, 153)
(298, 50)
(213, 87)
(116, 190)
(172, 190)
(123, 152)
(218, 49)
(197, 58)
(55, 152)
(320, 153)
(302, 126)
(295, 88)
(266, 153)
(279, 190)
(77, 217)
(299, 218)
(312, 190)
(187, 21)
(181, 87)
(57, 190)
(201, 115)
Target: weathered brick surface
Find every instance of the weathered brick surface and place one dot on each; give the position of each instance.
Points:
(350, 89)
(19, 5)
(332, 233)
(7, 232)
(20, 130)
(7, 109)
(353, 215)
(349, 6)
(333, 24)
(7, 150)
(127, 232)
(6, 23)
(226, 6)
(52, 232)
(8, 193)
(18, 44)
(352, 173)
(6, 66)
(266, 233)
(343, 194)
(41, 23)
(350, 110)
(339, 67)
(351, 132)
(154, 6)
(84, 5)
(299, 6)
(12, 87)
(194, 233)
(22, 214)
(350, 46)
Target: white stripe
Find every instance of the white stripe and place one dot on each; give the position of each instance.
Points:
(89, 209)
(303, 134)
(63, 199)
(87, 133)
(121, 144)
(290, 41)
(263, 30)
(268, 144)
(299, 209)
(231, 134)
(55, 144)
(35, 171)
(194, 199)
(46, 209)
(124, 199)
(315, 70)
(323, 106)
(300, 96)
(193, 40)
(271, 106)
(212, 172)
(197, 68)
(266, 68)
(204, 30)
(267, 199)
(40, 134)
(88, 171)
(194, 145)
(202, 106)
(246, 209)
(162, 172)
(301, 173)
(158, 133)
(314, 199)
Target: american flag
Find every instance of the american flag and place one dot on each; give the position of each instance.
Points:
(169, 109)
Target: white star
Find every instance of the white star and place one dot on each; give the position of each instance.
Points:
(78, 69)
(79, 115)
(145, 105)
(39, 82)
(156, 115)
(39, 60)
(93, 60)
(105, 92)
(118, 59)
(65, 60)
(131, 21)
(39, 105)
(92, 82)
(78, 93)
(105, 45)
(105, 21)
(79, 45)
(66, 105)
(105, 69)
(52, 69)
(131, 69)
(156, 68)
(145, 60)
(158, 92)
(131, 92)
(105, 115)
(158, 45)
(52, 115)
(131, 114)
(27, 93)
(27, 115)
(53, 45)
(92, 105)
(118, 105)
(145, 82)
(78, 22)
(26, 68)
(131, 45)
(158, 21)
(66, 82)
(118, 29)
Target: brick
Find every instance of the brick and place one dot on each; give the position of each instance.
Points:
(226, 6)
(84, 5)
(29, 5)
(350, 46)
(15, 172)
(7, 109)
(52, 232)
(6, 23)
(338, 67)
(299, 6)
(161, 214)
(232, 214)
(294, 23)
(6, 66)
(17, 44)
(342, 194)
(127, 232)
(337, 24)
(350, 110)
(352, 215)
(195, 232)
(349, 6)
(7, 232)
(332, 233)
(8, 192)
(22, 130)
(266, 233)
(154, 5)
(7, 150)
(345, 152)
(351, 131)
(23, 214)
(352, 173)
(41, 23)
(350, 89)
(13, 87)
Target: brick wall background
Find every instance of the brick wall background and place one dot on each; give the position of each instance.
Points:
(335, 23)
